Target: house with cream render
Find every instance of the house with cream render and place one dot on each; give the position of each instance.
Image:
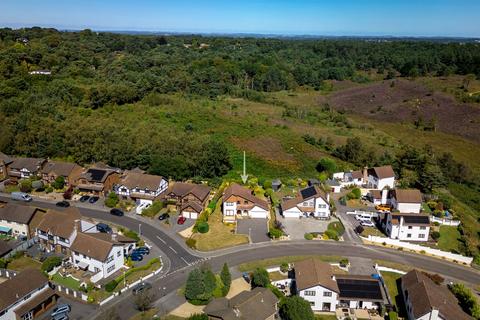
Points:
(239, 202)
(311, 201)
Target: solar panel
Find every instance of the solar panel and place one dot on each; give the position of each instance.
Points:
(96, 174)
(308, 192)
(360, 289)
(420, 219)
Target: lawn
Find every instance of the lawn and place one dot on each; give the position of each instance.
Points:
(220, 235)
(68, 282)
(369, 231)
(449, 239)
(275, 276)
(325, 317)
(23, 263)
(336, 226)
(394, 265)
(265, 263)
(137, 273)
(390, 279)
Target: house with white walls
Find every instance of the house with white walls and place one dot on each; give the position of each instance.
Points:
(141, 187)
(26, 296)
(380, 178)
(407, 226)
(425, 300)
(311, 201)
(406, 200)
(16, 220)
(102, 254)
(239, 202)
(24, 168)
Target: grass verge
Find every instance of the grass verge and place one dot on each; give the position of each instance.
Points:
(265, 263)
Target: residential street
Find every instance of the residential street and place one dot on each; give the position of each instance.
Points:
(179, 261)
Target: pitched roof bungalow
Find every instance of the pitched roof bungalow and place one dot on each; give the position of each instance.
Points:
(258, 304)
(142, 187)
(239, 201)
(22, 168)
(26, 296)
(426, 300)
(311, 201)
(54, 169)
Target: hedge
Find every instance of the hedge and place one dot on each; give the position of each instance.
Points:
(109, 287)
(50, 263)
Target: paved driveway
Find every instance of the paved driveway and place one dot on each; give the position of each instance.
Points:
(79, 310)
(296, 228)
(256, 228)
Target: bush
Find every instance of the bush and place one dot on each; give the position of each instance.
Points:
(260, 278)
(392, 315)
(110, 286)
(354, 194)
(344, 262)
(336, 226)
(198, 316)
(3, 263)
(50, 263)
(153, 209)
(203, 227)
(37, 185)
(277, 292)
(112, 200)
(25, 186)
(275, 233)
(466, 299)
(308, 236)
(59, 183)
(284, 267)
(48, 189)
(435, 235)
(326, 165)
(191, 243)
(331, 234)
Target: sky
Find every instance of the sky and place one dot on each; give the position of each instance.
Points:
(456, 18)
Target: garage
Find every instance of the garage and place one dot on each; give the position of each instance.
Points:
(190, 214)
(191, 210)
(259, 213)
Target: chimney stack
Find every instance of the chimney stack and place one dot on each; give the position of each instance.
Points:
(365, 174)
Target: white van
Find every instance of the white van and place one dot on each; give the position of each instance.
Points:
(364, 217)
(21, 196)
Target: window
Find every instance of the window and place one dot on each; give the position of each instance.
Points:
(238, 202)
(229, 204)
(96, 269)
(111, 268)
(409, 227)
(245, 202)
(322, 206)
(326, 306)
(421, 236)
(312, 303)
(327, 294)
(110, 259)
(423, 228)
(310, 293)
(409, 235)
(119, 253)
(229, 213)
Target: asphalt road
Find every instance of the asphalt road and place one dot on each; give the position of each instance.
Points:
(182, 261)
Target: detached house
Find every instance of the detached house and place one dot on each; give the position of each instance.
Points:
(98, 179)
(425, 300)
(258, 304)
(311, 201)
(239, 202)
(100, 253)
(24, 168)
(409, 201)
(190, 198)
(5, 161)
(380, 177)
(16, 220)
(54, 169)
(141, 187)
(26, 296)
(58, 229)
(407, 226)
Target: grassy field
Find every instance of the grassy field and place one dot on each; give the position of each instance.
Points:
(68, 282)
(390, 279)
(265, 263)
(23, 263)
(449, 239)
(220, 235)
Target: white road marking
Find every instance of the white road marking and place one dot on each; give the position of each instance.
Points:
(184, 260)
(172, 249)
(161, 240)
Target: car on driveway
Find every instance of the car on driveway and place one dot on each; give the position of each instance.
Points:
(84, 198)
(181, 220)
(141, 250)
(116, 212)
(63, 204)
(136, 256)
(163, 216)
(246, 277)
(61, 309)
(141, 287)
(61, 316)
(93, 199)
(104, 228)
(367, 223)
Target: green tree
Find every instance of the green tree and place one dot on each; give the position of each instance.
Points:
(326, 164)
(26, 185)
(466, 299)
(260, 278)
(112, 200)
(144, 300)
(59, 183)
(195, 287)
(226, 278)
(295, 308)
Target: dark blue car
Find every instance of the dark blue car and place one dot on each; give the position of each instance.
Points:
(136, 257)
(141, 250)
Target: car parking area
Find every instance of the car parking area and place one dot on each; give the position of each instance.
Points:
(257, 229)
(79, 310)
(297, 227)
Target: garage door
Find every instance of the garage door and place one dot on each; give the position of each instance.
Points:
(258, 213)
(190, 215)
(291, 214)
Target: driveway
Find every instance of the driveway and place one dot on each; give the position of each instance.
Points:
(296, 228)
(79, 310)
(256, 228)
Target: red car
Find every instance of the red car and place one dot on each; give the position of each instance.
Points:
(181, 220)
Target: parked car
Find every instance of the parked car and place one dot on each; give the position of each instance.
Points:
(116, 212)
(246, 277)
(139, 288)
(103, 227)
(21, 196)
(136, 256)
(382, 208)
(181, 220)
(363, 217)
(142, 250)
(84, 198)
(63, 204)
(61, 309)
(61, 316)
(93, 199)
(163, 216)
(368, 223)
